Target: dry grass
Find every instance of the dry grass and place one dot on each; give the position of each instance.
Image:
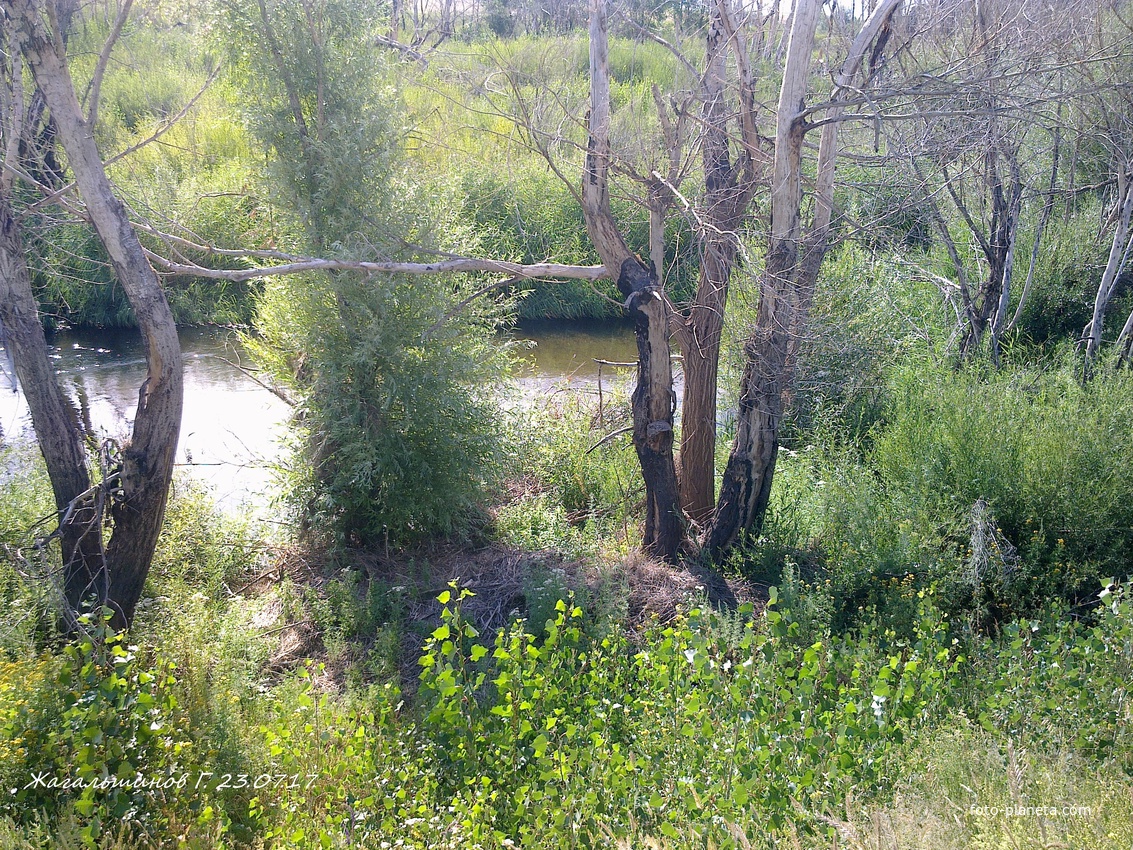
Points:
(508, 583)
(971, 791)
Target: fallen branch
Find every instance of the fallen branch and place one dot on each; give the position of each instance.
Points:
(456, 266)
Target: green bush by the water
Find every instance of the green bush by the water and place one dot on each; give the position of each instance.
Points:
(1007, 489)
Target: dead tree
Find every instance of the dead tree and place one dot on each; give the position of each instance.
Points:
(139, 486)
(794, 259)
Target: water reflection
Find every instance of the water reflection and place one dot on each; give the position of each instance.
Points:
(232, 426)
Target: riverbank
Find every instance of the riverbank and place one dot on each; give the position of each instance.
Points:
(944, 658)
(234, 423)
(292, 696)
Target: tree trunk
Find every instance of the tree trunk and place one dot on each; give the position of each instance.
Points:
(788, 281)
(653, 399)
(1118, 252)
(54, 419)
(147, 459)
(1125, 341)
(701, 330)
(746, 488)
(728, 189)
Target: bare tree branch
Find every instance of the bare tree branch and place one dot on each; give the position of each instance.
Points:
(95, 87)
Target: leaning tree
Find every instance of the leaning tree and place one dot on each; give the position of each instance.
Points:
(133, 492)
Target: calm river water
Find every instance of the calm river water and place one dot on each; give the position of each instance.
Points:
(232, 426)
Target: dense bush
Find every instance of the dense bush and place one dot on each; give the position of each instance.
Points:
(1043, 454)
(396, 432)
(716, 729)
(394, 423)
(96, 729)
(1006, 490)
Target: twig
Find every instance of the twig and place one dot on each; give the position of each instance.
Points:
(286, 626)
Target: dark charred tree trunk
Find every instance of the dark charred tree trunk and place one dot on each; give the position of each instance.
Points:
(746, 488)
(142, 483)
(653, 400)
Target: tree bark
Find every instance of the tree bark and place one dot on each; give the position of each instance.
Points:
(728, 190)
(53, 418)
(1118, 252)
(787, 285)
(746, 488)
(147, 459)
(701, 329)
(653, 399)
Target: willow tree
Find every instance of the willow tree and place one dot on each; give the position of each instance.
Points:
(396, 436)
(134, 493)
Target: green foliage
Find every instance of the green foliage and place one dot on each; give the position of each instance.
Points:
(529, 220)
(1004, 491)
(1072, 258)
(224, 547)
(725, 729)
(106, 739)
(580, 472)
(192, 181)
(26, 504)
(869, 316)
(1061, 685)
(1042, 452)
(395, 432)
(718, 729)
(397, 435)
(316, 101)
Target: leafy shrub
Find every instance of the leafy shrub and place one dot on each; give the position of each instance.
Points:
(102, 735)
(395, 431)
(1063, 686)
(1042, 452)
(396, 434)
(717, 729)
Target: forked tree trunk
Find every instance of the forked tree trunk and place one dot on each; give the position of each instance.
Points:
(788, 281)
(147, 459)
(726, 199)
(746, 488)
(653, 399)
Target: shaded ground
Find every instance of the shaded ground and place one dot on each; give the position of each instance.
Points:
(508, 583)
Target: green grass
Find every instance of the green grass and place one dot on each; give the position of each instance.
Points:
(742, 729)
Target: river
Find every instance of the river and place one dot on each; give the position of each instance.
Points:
(232, 425)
